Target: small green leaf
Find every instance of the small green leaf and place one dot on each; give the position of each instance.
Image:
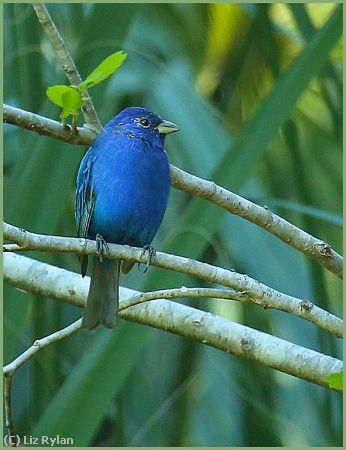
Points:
(55, 93)
(107, 67)
(335, 380)
(71, 103)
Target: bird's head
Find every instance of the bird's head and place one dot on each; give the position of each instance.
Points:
(142, 123)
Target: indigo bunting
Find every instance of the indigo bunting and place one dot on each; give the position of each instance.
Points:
(122, 191)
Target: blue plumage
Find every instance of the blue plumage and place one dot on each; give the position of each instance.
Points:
(122, 191)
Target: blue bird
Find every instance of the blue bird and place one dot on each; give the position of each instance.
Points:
(122, 191)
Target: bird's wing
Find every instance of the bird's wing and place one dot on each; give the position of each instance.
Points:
(85, 203)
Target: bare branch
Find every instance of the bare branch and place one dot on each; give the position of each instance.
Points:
(255, 291)
(67, 62)
(223, 294)
(8, 410)
(10, 369)
(319, 250)
(136, 299)
(261, 216)
(39, 344)
(47, 127)
(207, 328)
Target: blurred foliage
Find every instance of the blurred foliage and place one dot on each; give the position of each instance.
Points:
(207, 67)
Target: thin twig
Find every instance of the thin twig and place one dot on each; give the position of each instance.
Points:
(27, 274)
(11, 248)
(12, 437)
(257, 292)
(313, 247)
(10, 369)
(169, 294)
(67, 62)
(39, 344)
(137, 299)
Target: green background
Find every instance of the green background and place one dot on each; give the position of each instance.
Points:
(208, 68)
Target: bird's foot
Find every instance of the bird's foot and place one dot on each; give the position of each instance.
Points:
(101, 246)
(151, 254)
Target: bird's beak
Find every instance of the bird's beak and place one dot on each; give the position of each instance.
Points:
(166, 127)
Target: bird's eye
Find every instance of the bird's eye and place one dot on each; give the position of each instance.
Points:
(145, 123)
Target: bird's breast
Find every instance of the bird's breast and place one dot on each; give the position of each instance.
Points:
(131, 184)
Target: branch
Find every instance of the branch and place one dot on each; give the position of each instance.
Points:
(239, 340)
(139, 298)
(319, 250)
(13, 440)
(263, 217)
(47, 127)
(67, 62)
(254, 291)
(10, 369)
(135, 299)
(39, 344)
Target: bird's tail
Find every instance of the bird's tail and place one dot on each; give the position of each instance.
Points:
(103, 298)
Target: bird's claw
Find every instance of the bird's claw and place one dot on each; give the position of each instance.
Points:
(101, 246)
(151, 254)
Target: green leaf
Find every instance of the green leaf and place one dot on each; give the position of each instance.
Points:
(103, 70)
(69, 98)
(335, 380)
(72, 102)
(56, 93)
